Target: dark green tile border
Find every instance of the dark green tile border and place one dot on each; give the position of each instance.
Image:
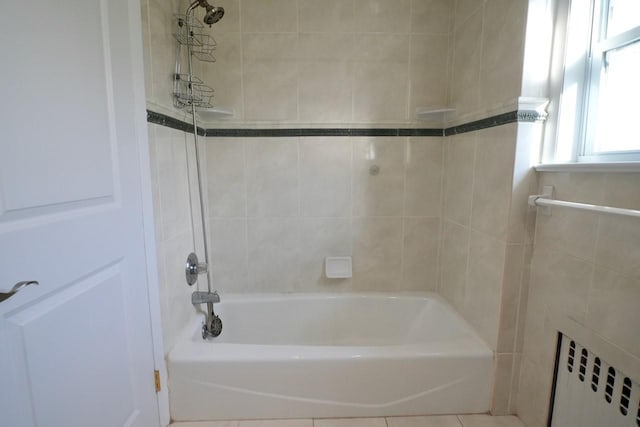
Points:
(170, 122)
(489, 122)
(302, 132)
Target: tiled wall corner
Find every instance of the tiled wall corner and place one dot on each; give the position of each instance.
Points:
(520, 226)
(504, 25)
(159, 49)
(486, 245)
(487, 40)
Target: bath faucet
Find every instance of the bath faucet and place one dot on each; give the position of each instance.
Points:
(213, 325)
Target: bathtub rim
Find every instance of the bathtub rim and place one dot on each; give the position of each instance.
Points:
(189, 348)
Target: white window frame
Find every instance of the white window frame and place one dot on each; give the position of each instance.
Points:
(585, 47)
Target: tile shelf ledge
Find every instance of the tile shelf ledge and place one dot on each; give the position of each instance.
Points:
(215, 113)
(432, 113)
(612, 167)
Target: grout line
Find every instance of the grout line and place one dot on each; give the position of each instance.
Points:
(515, 369)
(519, 300)
(451, 60)
(299, 176)
(483, 10)
(512, 392)
(373, 33)
(297, 62)
(298, 220)
(473, 180)
(409, 86)
(448, 65)
(353, 61)
(405, 164)
(242, 97)
(443, 219)
(283, 218)
(352, 208)
(246, 211)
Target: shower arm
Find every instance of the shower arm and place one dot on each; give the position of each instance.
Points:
(194, 5)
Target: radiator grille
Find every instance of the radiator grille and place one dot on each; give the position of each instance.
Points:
(589, 392)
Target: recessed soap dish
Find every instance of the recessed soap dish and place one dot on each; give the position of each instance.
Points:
(338, 267)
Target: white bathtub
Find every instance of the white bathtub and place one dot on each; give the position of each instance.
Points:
(353, 355)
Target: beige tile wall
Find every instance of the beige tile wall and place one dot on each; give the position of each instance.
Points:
(159, 49)
(585, 267)
(172, 167)
(486, 234)
(485, 244)
(278, 206)
(335, 61)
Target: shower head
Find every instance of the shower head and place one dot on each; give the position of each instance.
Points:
(213, 15)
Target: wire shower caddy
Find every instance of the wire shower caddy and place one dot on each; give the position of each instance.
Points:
(189, 90)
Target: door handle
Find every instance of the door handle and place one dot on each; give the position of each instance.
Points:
(17, 287)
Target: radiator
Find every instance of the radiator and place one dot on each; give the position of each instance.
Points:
(589, 392)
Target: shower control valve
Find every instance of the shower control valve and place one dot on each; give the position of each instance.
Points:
(194, 269)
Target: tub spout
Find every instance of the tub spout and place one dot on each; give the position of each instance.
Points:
(212, 326)
(199, 297)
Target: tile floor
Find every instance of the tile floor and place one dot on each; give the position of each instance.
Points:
(431, 421)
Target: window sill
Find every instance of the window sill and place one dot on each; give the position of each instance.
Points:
(612, 167)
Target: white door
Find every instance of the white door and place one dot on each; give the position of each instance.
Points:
(76, 350)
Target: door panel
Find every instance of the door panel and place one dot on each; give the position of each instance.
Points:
(62, 99)
(91, 315)
(76, 350)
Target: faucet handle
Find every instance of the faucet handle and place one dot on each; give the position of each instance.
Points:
(194, 269)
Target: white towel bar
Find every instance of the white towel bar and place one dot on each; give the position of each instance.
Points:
(544, 200)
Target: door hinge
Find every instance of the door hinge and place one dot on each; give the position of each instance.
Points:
(156, 375)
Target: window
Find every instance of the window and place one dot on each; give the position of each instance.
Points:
(599, 107)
